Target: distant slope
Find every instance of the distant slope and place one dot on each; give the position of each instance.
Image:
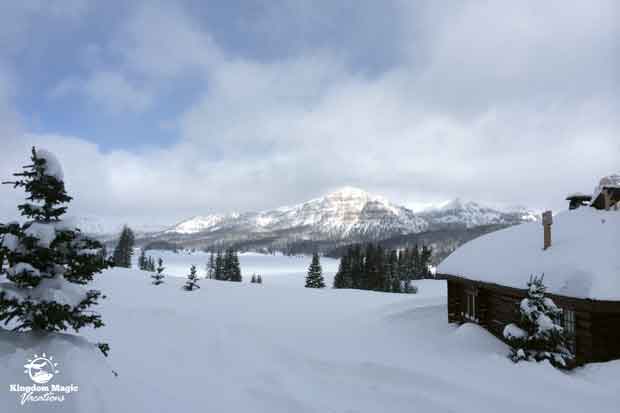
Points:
(442, 241)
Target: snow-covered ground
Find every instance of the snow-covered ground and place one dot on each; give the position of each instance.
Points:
(274, 269)
(273, 348)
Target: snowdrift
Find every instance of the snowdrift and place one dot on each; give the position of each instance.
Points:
(79, 363)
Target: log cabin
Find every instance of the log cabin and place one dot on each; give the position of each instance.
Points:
(487, 277)
(607, 193)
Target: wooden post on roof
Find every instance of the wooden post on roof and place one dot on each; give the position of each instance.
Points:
(547, 220)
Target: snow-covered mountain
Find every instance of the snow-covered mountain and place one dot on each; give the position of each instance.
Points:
(348, 214)
(202, 223)
(470, 214)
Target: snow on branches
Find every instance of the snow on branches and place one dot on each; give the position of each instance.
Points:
(47, 261)
(538, 335)
(192, 280)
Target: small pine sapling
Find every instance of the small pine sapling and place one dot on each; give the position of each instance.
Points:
(158, 276)
(314, 279)
(192, 280)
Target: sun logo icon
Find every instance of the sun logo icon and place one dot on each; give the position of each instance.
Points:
(41, 369)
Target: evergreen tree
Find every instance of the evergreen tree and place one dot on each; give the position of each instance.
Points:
(103, 256)
(142, 260)
(219, 266)
(344, 278)
(259, 279)
(226, 263)
(158, 276)
(235, 268)
(373, 268)
(192, 280)
(538, 335)
(48, 261)
(339, 277)
(150, 264)
(124, 248)
(375, 278)
(356, 265)
(391, 281)
(314, 279)
(408, 265)
(253, 279)
(211, 266)
(425, 260)
(415, 263)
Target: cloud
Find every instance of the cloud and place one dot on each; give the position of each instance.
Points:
(501, 103)
(159, 40)
(107, 89)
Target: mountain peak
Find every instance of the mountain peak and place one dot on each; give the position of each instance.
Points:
(346, 213)
(457, 203)
(348, 192)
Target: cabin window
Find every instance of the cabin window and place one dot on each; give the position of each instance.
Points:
(471, 301)
(569, 324)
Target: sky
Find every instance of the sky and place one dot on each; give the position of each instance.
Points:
(161, 110)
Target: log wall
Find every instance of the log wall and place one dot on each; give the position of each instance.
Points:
(597, 323)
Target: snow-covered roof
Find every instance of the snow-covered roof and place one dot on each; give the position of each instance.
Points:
(583, 260)
(578, 195)
(610, 181)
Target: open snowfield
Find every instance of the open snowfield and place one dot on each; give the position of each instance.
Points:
(275, 269)
(232, 347)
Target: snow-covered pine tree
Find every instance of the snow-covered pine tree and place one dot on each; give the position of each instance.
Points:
(158, 276)
(314, 279)
(538, 335)
(49, 262)
(192, 280)
(253, 279)
(259, 279)
(124, 248)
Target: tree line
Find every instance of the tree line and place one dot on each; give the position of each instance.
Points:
(224, 266)
(373, 267)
